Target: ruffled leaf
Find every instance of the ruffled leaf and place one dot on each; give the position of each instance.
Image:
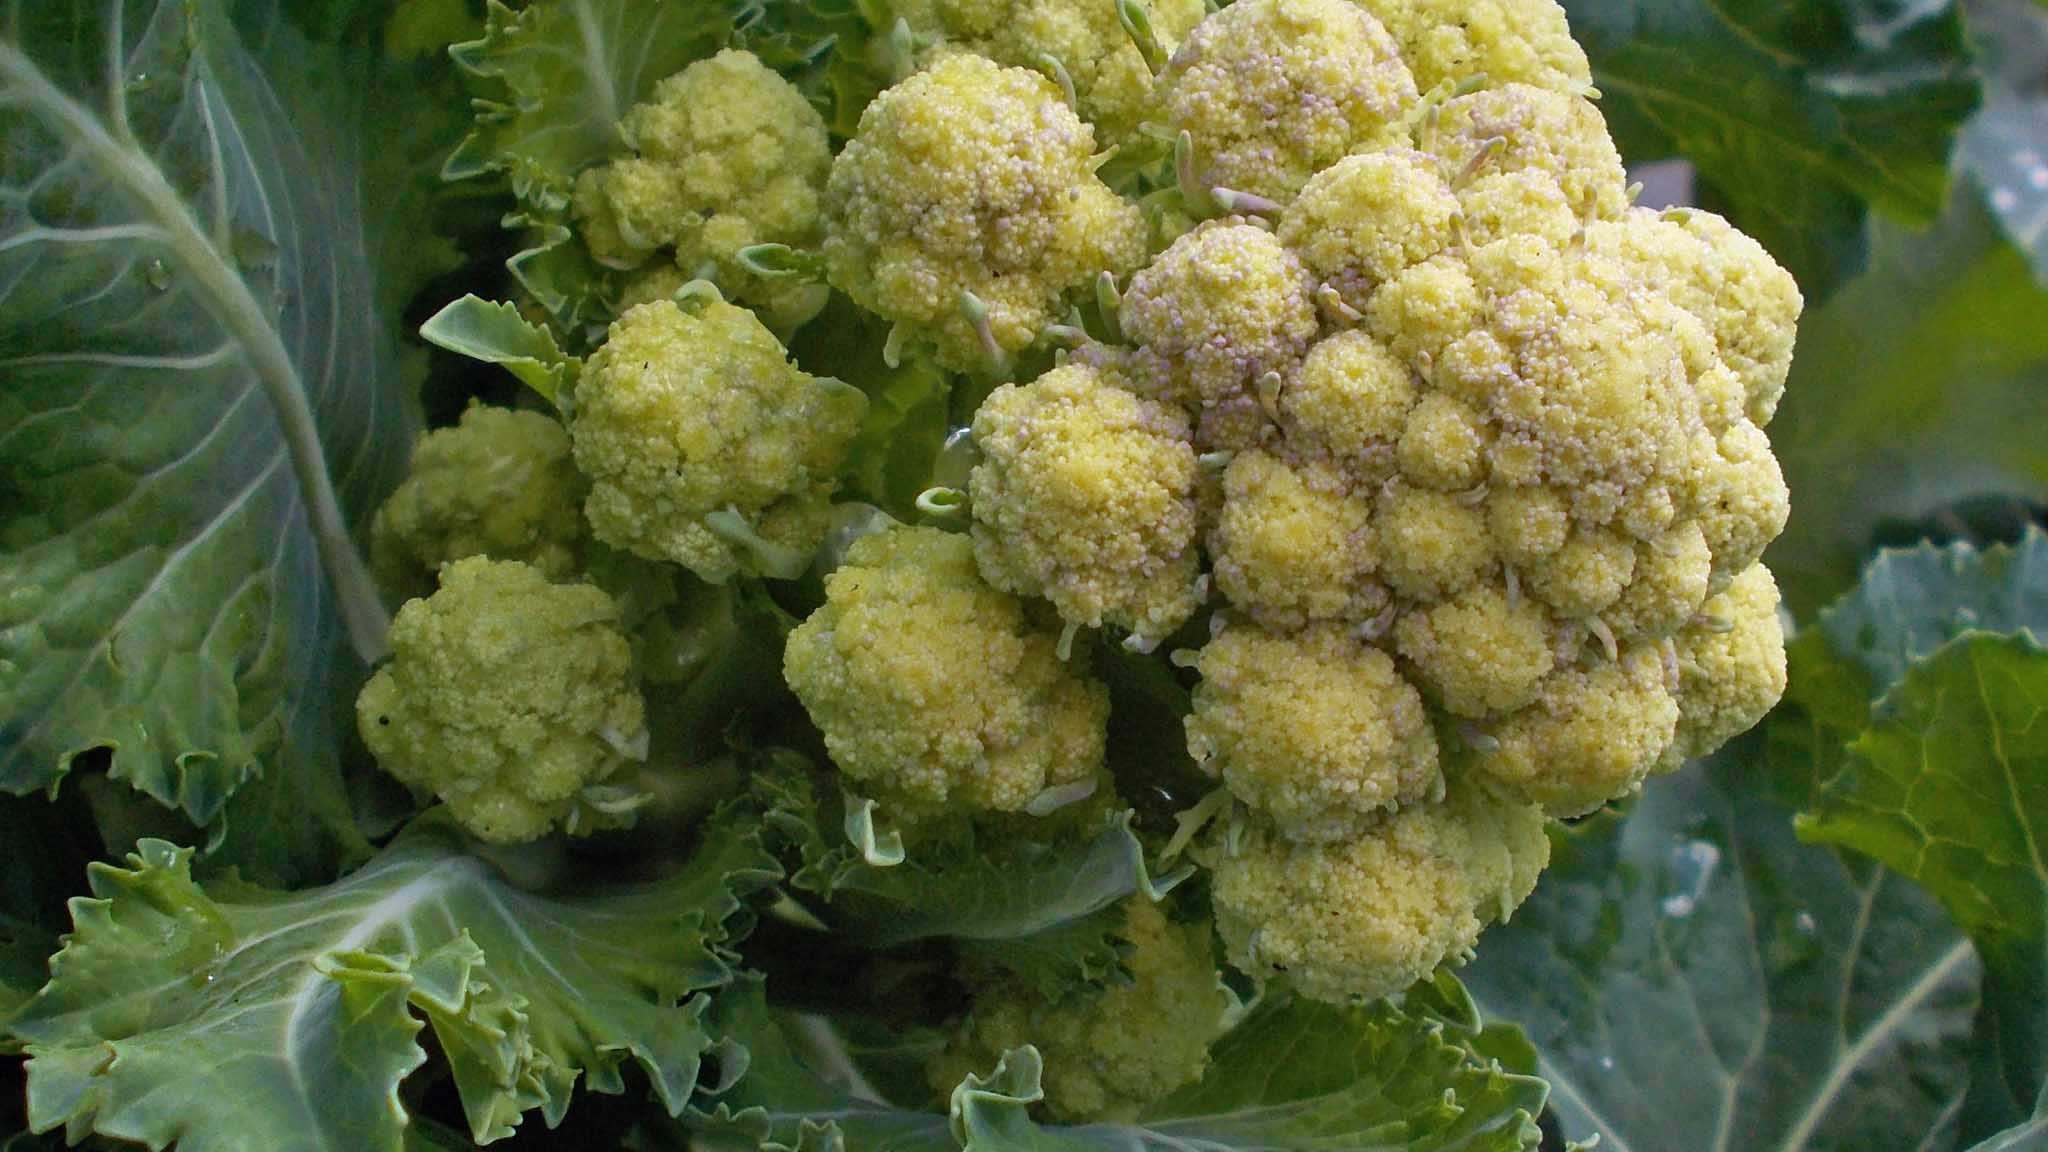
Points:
(1293, 1074)
(1910, 713)
(1949, 785)
(249, 1019)
(496, 333)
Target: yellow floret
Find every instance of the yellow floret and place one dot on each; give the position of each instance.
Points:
(1584, 576)
(1583, 394)
(705, 446)
(1742, 498)
(1424, 310)
(1482, 652)
(1366, 219)
(1274, 91)
(1369, 917)
(1749, 304)
(505, 695)
(1315, 731)
(1110, 1056)
(937, 690)
(1591, 736)
(1294, 543)
(1502, 41)
(1110, 76)
(967, 208)
(1431, 544)
(1351, 398)
(1530, 202)
(1086, 495)
(728, 154)
(1221, 307)
(1669, 583)
(1555, 133)
(1527, 524)
(1444, 445)
(501, 484)
(1731, 665)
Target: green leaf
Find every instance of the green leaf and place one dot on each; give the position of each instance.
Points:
(191, 344)
(2005, 146)
(1921, 383)
(1949, 785)
(550, 83)
(2030, 1135)
(498, 334)
(249, 1019)
(1798, 115)
(1882, 638)
(1912, 601)
(1293, 1074)
(554, 78)
(826, 48)
(1693, 974)
(892, 458)
(1045, 909)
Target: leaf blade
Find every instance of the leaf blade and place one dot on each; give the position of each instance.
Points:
(151, 237)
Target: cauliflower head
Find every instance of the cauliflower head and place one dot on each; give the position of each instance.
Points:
(505, 696)
(934, 689)
(1316, 731)
(705, 446)
(501, 483)
(1293, 542)
(1223, 306)
(727, 154)
(1109, 1056)
(1370, 915)
(1112, 80)
(1086, 495)
(1501, 41)
(1271, 92)
(966, 209)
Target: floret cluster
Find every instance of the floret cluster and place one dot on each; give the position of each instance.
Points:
(1463, 451)
(1317, 353)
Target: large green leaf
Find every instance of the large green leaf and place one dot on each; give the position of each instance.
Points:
(1949, 785)
(1923, 382)
(1859, 697)
(2005, 146)
(1798, 115)
(244, 1019)
(1693, 975)
(1294, 1074)
(194, 364)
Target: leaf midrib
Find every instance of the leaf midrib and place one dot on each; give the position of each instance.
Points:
(224, 294)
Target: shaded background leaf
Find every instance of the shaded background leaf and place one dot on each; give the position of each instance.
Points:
(1691, 974)
(1799, 117)
(2005, 147)
(1922, 383)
